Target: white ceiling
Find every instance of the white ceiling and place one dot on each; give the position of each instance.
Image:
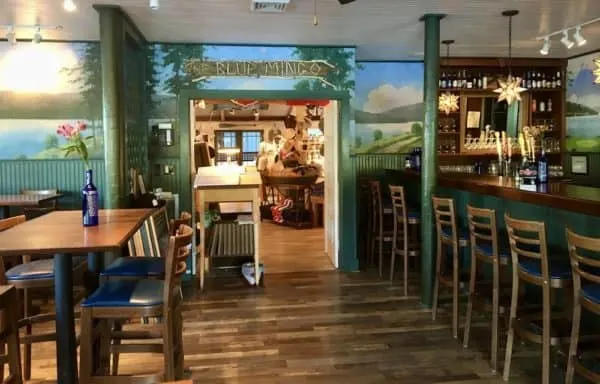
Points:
(380, 29)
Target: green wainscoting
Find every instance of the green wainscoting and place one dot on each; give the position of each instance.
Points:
(66, 175)
(374, 165)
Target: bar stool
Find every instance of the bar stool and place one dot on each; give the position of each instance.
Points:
(485, 247)
(36, 274)
(127, 299)
(586, 291)
(9, 334)
(531, 264)
(404, 220)
(448, 235)
(381, 230)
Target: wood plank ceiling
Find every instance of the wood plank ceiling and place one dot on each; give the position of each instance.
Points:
(380, 29)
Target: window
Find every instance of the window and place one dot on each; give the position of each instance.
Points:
(247, 141)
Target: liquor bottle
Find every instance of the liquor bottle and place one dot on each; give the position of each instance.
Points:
(539, 80)
(549, 105)
(469, 81)
(533, 105)
(544, 82)
(558, 81)
(533, 81)
(542, 106)
(484, 82)
(542, 168)
(443, 80)
(553, 81)
(454, 80)
(89, 203)
(526, 80)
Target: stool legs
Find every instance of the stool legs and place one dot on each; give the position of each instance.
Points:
(9, 323)
(510, 338)
(574, 341)
(28, 331)
(469, 314)
(436, 284)
(455, 291)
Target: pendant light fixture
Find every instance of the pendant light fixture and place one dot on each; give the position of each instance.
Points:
(510, 88)
(448, 102)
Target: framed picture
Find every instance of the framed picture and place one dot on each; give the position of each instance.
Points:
(579, 164)
(473, 119)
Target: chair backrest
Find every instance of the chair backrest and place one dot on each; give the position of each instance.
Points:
(527, 240)
(159, 230)
(376, 208)
(43, 192)
(483, 228)
(585, 267)
(399, 207)
(184, 218)
(4, 225)
(179, 249)
(443, 209)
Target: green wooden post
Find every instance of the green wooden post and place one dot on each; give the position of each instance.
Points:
(113, 110)
(429, 154)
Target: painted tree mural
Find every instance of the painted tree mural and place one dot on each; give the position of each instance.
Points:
(342, 77)
(174, 57)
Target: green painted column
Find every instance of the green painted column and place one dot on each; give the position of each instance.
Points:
(113, 109)
(429, 154)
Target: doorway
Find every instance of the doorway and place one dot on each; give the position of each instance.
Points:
(338, 216)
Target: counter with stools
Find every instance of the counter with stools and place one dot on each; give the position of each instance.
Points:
(9, 335)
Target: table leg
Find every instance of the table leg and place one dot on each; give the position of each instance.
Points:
(66, 352)
(201, 207)
(256, 219)
(95, 261)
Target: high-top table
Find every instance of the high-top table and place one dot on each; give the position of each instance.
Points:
(62, 234)
(22, 200)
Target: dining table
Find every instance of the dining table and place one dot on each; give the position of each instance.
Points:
(22, 200)
(62, 234)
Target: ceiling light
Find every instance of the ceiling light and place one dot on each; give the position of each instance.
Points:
(546, 47)
(37, 38)
(565, 40)
(11, 36)
(154, 5)
(69, 6)
(579, 39)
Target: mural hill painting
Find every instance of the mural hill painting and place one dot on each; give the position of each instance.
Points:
(583, 106)
(388, 107)
(43, 86)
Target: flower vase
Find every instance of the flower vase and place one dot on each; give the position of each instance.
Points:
(89, 201)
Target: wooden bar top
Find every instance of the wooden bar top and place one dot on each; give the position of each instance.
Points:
(555, 194)
(63, 232)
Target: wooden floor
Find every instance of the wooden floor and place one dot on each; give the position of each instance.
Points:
(323, 327)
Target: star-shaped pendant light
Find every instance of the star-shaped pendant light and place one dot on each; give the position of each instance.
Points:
(448, 102)
(597, 71)
(510, 88)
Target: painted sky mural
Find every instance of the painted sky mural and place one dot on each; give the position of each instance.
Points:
(388, 107)
(583, 105)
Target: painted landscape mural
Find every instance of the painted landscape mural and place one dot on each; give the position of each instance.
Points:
(583, 105)
(388, 107)
(42, 86)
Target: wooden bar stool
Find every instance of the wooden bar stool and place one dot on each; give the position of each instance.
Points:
(9, 335)
(126, 299)
(586, 291)
(381, 229)
(531, 264)
(448, 235)
(485, 247)
(404, 221)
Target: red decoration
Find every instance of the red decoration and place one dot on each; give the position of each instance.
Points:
(319, 103)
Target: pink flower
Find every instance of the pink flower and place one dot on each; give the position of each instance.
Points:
(66, 130)
(81, 126)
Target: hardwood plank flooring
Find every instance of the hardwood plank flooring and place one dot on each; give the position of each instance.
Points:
(323, 327)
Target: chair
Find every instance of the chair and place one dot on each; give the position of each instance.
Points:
(28, 275)
(531, 264)
(9, 334)
(448, 235)
(381, 230)
(485, 247)
(586, 294)
(44, 207)
(127, 299)
(403, 220)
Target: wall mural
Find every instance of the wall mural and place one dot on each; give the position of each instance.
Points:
(42, 86)
(583, 105)
(388, 107)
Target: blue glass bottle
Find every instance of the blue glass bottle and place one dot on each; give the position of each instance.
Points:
(89, 204)
(542, 173)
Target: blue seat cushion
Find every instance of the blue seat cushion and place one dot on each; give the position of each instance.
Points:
(591, 292)
(463, 234)
(37, 269)
(558, 269)
(414, 215)
(126, 293)
(136, 266)
(486, 250)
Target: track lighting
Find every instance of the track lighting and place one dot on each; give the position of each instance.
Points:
(565, 40)
(154, 5)
(11, 36)
(37, 38)
(546, 47)
(69, 6)
(579, 39)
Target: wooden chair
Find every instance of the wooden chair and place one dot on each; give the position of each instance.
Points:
(403, 221)
(45, 207)
(127, 299)
(448, 235)
(29, 275)
(485, 248)
(586, 294)
(381, 230)
(531, 264)
(9, 334)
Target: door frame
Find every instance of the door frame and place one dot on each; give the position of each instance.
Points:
(347, 212)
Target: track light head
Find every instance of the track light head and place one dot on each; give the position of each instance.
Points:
(11, 36)
(546, 47)
(565, 40)
(154, 5)
(69, 6)
(37, 37)
(579, 39)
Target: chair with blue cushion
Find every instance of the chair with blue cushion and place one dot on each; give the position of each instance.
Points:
(123, 300)
(531, 263)
(449, 235)
(585, 260)
(27, 275)
(486, 248)
(405, 223)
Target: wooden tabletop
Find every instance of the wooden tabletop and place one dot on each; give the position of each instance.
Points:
(26, 200)
(63, 232)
